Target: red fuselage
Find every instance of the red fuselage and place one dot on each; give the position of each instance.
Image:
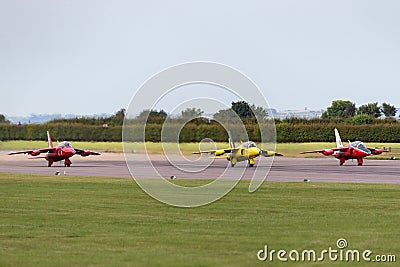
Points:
(60, 154)
(351, 153)
(63, 151)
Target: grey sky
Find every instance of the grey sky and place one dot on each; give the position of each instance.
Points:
(88, 57)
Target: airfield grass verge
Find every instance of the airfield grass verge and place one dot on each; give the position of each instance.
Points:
(80, 221)
(287, 149)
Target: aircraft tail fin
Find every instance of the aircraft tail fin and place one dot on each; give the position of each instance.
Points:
(338, 139)
(231, 142)
(49, 140)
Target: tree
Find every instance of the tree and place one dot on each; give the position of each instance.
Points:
(224, 115)
(191, 113)
(260, 112)
(242, 109)
(246, 111)
(371, 109)
(388, 110)
(152, 116)
(3, 119)
(340, 109)
(120, 113)
(118, 118)
(360, 119)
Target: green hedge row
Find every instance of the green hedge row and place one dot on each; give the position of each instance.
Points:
(285, 132)
(72, 132)
(386, 133)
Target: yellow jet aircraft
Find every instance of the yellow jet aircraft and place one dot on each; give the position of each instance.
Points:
(246, 151)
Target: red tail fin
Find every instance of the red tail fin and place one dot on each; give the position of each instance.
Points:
(49, 140)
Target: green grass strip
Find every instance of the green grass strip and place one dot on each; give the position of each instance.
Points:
(90, 221)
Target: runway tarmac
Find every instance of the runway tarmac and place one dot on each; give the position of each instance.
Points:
(283, 169)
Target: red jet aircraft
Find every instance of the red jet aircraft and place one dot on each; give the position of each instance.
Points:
(63, 151)
(354, 150)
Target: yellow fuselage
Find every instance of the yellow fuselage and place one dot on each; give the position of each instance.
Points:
(243, 154)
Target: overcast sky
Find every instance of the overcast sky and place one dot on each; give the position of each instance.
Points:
(88, 57)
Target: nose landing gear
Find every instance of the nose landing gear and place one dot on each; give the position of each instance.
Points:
(251, 162)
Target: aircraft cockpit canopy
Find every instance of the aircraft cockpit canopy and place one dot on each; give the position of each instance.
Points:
(361, 146)
(249, 144)
(65, 144)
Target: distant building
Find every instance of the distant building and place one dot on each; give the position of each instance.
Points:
(299, 113)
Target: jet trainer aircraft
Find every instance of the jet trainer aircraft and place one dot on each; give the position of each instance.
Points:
(354, 150)
(246, 151)
(63, 151)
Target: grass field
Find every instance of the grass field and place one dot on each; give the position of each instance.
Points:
(89, 221)
(288, 149)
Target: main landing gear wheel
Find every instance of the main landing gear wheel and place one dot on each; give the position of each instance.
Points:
(67, 163)
(233, 162)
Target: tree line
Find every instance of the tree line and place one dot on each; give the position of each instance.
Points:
(364, 114)
(363, 123)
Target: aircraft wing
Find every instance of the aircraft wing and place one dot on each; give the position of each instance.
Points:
(341, 149)
(376, 151)
(33, 152)
(268, 153)
(215, 152)
(219, 157)
(85, 153)
(313, 151)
